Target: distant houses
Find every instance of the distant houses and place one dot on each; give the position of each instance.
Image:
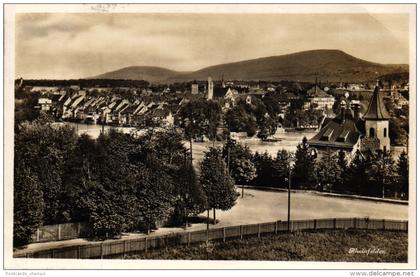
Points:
(350, 132)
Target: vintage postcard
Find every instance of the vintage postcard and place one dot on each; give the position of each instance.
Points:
(210, 136)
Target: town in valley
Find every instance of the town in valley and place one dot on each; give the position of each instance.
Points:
(304, 151)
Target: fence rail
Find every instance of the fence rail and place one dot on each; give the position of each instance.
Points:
(60, 232)
(122, 247)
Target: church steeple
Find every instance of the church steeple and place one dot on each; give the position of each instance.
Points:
(377, 121)
(223, 80)
(376, 109)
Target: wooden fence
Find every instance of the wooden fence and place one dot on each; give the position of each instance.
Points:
(60, 232)
(119, 248)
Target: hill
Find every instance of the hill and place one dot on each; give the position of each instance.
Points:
(331, 65)
(148, 73)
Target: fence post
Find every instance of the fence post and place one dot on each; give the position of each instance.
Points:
(189, 238)
(315, 224)
(78, 252)
(145, 244)
(354, 223)
(125, 247)
(52, 253)
(276, 228)
(259, 230)
(37, 234)
(78, 230)
(406, 226)
(224, 234)
(102, 250)
(240, 231)
(335, 223)
(59, 231)
(383, 224)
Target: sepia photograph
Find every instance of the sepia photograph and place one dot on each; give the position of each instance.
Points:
(199, 135)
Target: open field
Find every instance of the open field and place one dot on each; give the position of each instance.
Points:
(329, 245)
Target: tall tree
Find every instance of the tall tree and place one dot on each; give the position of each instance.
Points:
(217, 184)
(194, 120)
(281, 168)
(214, 115)
(28, 205)
(303, 170)
(44, 149)
(264, 169)
(402, 169)
(356, 177)
(190, 198)
(382, 177)
(328, 171)
(239, 163)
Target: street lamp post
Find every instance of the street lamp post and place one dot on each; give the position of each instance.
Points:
(288, 199)
(289, 187)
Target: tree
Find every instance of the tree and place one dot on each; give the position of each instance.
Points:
(264, 169)
(44, 149)
(217, 184)
(328, 171)
(194, 120)
(267, 126)
(381, 170)
(214, 115)
(189, 193)
(239, 162)
(154, 195)
(104, 220)
(281, 168)
(167, 145)
(25, 110)
(303, 170)
(28, 205)
(343, 164)
(402, 169)
(241, 119)
(244, 172)
(356, 177)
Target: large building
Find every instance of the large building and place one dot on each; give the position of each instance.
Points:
(350, 132)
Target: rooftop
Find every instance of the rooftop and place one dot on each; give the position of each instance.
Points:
(376, 109)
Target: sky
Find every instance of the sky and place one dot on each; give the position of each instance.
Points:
(64, 46)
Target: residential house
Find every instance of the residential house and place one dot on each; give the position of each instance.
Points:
(319, 99)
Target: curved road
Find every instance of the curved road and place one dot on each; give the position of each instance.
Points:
(266, 206)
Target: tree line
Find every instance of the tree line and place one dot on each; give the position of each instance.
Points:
(372, 174)
(117, 182)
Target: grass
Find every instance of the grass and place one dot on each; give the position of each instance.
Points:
(326, 245)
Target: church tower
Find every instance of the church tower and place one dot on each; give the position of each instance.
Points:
(377, 122)
(209, 89)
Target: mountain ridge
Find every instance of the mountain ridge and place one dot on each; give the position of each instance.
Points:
(326, 64)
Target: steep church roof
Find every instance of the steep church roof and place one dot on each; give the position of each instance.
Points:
(376, 109)
(340, 132)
